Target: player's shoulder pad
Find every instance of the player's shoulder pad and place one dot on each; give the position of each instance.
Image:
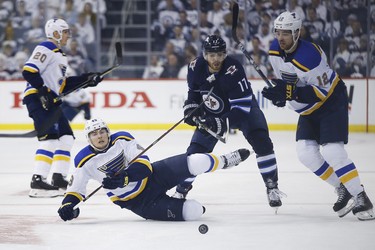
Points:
(196, 63)
(121, 135)
(274, 48)
(83, 156)
(308, 56)
(231, 66)
(51, 46)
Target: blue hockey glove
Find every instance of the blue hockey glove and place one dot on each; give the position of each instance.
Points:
(47, 97)
(280, 93)
(86, 110)
(216, 124)
(94, 79)
(189, 106)
(67, 212)
(116, 181)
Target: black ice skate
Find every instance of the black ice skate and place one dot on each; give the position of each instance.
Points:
(345, 201)
(41, 189)
(274, 195)
(234, 158)
(363, 207)
(59, 181)
(181, 192)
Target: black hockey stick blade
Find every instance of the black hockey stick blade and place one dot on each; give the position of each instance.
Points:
(118, 53)
(30, 134)
(235, 10)
(46, 125)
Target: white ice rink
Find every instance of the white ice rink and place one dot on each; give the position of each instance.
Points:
(237, 215)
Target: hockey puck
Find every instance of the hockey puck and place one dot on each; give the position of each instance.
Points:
(203, 228)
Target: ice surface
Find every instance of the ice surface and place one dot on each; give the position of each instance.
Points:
(237, 215)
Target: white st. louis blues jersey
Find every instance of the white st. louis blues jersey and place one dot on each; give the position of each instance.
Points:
(306, 66)
(51, 63)
(123, 148)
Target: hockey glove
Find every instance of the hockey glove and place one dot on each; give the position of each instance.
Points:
(189, 106)
(86, 110)
(216, 124)
(67, 212)
(280, 93)
(46, 98)
(116, 181)
(94, 79)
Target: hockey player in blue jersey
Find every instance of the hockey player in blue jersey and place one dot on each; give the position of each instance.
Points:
(232, 99)
(131, 181)
(312, 89)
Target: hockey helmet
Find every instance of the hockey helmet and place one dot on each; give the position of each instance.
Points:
(92, 125)
(214, 43)
(288, 21)
(53, 25)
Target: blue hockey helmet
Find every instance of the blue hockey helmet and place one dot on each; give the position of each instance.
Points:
(214, 43)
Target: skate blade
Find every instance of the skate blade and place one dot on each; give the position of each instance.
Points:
(276, 210)
(365, 215)
(42, 193)
(344, 211)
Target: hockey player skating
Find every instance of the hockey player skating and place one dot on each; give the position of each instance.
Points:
(76, 102)
(317, 93)
(140, 186)
(232, 99)
(45, 73)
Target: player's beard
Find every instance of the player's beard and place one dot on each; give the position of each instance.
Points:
(215, 66)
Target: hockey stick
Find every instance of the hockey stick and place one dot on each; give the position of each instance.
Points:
(102, 74)
(350, 97)
(235, 10)
(149, 146)
(223, 138)
(45, 126)
(48, 123)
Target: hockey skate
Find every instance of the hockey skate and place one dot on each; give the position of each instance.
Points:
(234, 158)
(274, 195)
(59, 181)
(181, 192)
(41, 189)
(345, 201)
(363, 207)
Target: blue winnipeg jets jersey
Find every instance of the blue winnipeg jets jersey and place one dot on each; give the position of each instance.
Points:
(306, 66)
(89, 164)
(232, 94)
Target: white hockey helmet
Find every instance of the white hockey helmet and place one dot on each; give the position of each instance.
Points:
(92, 125)
(288, 21)
(53, 25)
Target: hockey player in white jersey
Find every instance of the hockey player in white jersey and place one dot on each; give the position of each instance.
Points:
(140, 186)
(45, 73)
(312, 89)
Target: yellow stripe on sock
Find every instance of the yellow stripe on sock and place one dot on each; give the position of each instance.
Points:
(349, 176)
(327, 173)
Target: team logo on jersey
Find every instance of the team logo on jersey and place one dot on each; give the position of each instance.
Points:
(114, 165)
(231, 70)
(213, 103)
(192, 64)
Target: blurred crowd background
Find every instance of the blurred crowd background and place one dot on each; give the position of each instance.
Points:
(160, 37)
